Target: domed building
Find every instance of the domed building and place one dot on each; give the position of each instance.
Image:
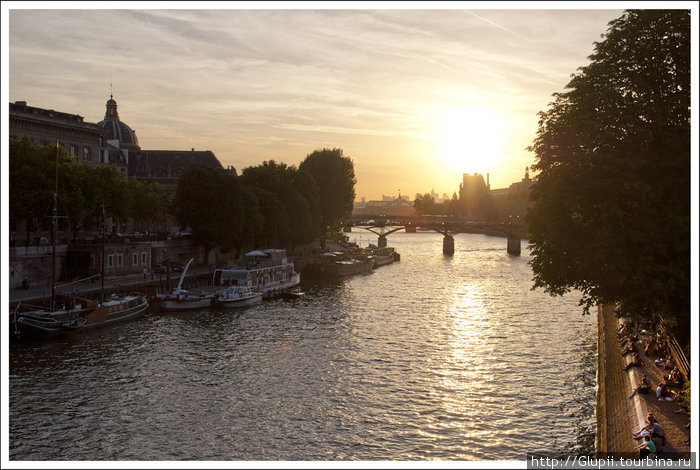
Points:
(119, 140)
(110, 141)
(121, 148)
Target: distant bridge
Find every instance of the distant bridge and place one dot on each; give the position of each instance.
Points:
(384, 225)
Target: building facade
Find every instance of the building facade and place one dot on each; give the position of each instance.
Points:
(81, 139)
(110, 142)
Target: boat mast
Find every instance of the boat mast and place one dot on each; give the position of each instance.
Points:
(102, 259)
(182, 276)
(53, 235)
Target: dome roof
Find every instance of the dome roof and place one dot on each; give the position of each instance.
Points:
(117, 130)
(114, 129)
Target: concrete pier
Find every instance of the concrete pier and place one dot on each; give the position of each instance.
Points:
(513, 245)
(448, 245)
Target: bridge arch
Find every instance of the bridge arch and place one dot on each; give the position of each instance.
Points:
(382, 226)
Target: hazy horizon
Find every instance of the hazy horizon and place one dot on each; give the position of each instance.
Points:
(415, 97)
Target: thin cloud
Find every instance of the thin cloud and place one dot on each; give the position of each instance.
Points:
(499, 26)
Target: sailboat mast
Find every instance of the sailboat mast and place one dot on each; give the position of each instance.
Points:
(53, 235)
(102, 259)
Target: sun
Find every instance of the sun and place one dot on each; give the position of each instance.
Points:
(472, 139)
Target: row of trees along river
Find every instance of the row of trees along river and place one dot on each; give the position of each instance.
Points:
(271, 204)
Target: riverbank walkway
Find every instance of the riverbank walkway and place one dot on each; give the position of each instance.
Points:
(112, 284)
(618, 414)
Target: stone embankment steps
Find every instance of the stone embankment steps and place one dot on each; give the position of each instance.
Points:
(616, 418)
(618, 415)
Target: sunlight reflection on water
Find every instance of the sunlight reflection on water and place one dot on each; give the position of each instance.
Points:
(433, 357)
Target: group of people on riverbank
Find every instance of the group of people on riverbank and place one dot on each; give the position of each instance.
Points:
(652, 435)
(654, 438)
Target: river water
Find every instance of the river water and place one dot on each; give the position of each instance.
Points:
(432, 358)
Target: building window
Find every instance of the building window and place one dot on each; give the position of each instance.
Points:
(143, 258)
(73, 150)
(120, 260)
(86, 154)
(110, 261)
(136, 259)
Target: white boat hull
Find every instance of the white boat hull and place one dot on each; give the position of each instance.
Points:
(241, 302)
(273, 289)
(184, 300)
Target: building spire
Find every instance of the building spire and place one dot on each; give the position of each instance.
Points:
(111, 113)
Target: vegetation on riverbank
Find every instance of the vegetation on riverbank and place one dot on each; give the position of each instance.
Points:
(611, 201)
(271, 204)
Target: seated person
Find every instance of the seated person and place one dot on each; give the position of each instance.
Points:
(662, 391)
(636, 362)
(643, 387)
(663, 363)
(675, 378)
(650, 348)
(646, 448)
(657, 431)
(631, 347)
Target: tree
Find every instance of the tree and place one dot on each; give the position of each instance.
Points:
(611, 203)
(77, 195)
(149, 203)
(334, 175)
(286, 212)
(30, 203)
(425, 204)
(210, 201)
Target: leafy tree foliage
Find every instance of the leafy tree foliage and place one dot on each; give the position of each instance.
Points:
(32, 182)
(334, 175)
(82, 188)
(611, 203)
(210, 202)
(149, 203)
(426, 204)
(286, 211)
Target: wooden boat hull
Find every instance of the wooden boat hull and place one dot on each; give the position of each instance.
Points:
(107, 314)
(37, 326)
(114, 310)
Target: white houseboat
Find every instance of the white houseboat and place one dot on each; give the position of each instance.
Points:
(266, 271)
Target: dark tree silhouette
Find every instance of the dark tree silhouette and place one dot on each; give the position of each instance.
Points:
(611, 203)
(334, 175)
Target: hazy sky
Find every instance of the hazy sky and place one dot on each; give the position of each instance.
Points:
(415, 97)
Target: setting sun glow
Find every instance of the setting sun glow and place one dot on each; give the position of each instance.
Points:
(473, 140)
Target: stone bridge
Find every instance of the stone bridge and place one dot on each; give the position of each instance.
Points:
(384, 225)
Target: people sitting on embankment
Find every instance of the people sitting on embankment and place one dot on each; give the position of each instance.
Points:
(643, 387)
(650, 347)
(631, 346)
(675, 378)
(636, 361)
(646, 448)
(663, 363)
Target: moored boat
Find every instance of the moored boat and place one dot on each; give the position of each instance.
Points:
(45, 322)
(84, 315)
(181, 299)
(60, 318)
(267, 271)
(116, 308)
(238, 296)
(348, 267)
